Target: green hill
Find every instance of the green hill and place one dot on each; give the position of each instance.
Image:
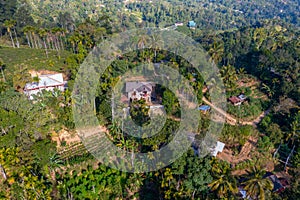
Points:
(216, 14)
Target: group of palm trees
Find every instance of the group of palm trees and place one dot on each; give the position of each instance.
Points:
(10, 27)
(38, 38)
(256, 185)
(45, 38)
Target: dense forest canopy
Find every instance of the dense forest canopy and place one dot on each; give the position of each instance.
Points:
(212, 14)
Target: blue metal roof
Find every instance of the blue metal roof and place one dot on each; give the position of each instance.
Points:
(204, 107)
(192, 24)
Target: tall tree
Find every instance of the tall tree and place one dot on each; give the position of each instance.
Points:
(139, 112)
(1, 68)
(21, 77)
(33, 34)
(224, 183)
(9, 24)
(229, 76)
(43, 33)
(14, 29)
(26, 30)
(216, 52)
(256, 185)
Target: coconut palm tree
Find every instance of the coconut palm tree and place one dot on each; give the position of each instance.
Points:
(256, 185)
(1, 68)
(54, 162)
(43, 33)
(143, 40)
(14, 22)
(9, 24)
(55, 33)
(242, 72)
(156, 41)
(114, 129)
(267, 89)
(21, 77)
(62, 37)
(17, 43)
(26, 30)
(216, 52)
(259, 37)
(224, 183)
(75, 39)
(33, 36)
(275, 81)
(229, 76)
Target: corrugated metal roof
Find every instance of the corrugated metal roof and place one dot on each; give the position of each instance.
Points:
(48, 80)
(204, 107)
(219, 148)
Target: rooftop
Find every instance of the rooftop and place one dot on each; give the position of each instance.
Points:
(139, 86)
(235, 99)
(49, 80)
(219, 148)
(191, 24)
(242, 97)
(204, 108)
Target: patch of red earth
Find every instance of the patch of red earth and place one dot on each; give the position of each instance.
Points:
(66, 136)
(244, 154)
(73, 137)
(247, 83)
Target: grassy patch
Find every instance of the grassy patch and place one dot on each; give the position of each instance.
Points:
(34, 59)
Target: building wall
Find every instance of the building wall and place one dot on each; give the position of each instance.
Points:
(30, 93)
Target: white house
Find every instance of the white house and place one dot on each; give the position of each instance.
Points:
(46, 82)
(218, 148)
(178, 24)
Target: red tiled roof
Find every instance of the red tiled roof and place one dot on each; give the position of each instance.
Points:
(235, 99)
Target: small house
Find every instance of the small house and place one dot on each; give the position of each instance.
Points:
(218, 148)
(204, 108)
(213, 150)
(242, 97)
(238, 100)
(279, 186)
(47, 82)
(139, 90)
(192, 24)
(235, 100)
(178, 24)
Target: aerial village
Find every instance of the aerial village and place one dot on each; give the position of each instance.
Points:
(67, 132)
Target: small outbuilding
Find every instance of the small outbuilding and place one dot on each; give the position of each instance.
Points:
(192, 24)
(238, 100)
(242, 97)
(219, 148)
(235, 100)
(47, 82)
(204, 108)
(178, 24)
(278, 185)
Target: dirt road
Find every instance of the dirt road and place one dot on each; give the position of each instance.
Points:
(232, 120)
